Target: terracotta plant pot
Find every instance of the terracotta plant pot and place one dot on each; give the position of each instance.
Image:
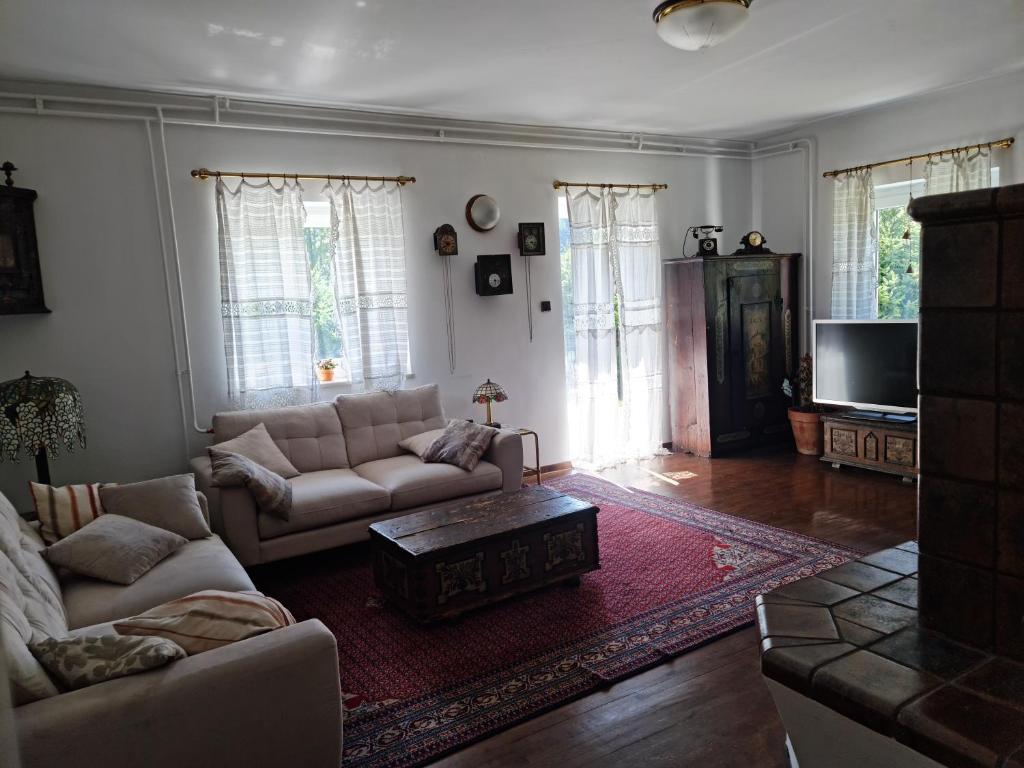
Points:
(325, 374)
(808, 431)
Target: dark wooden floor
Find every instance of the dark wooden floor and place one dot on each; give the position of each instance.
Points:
(709, 708)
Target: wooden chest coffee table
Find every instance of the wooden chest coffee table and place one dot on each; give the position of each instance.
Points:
(443, 561)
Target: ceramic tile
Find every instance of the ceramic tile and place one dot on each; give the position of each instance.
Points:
(859, 576)
(875, 613)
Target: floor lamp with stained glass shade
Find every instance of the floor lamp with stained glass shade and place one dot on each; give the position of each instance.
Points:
(38, 415)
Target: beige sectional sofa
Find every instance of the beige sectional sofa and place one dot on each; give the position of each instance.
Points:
(353, 472)
(269, 700)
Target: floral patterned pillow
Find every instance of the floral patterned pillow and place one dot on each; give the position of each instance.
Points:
(79, 661)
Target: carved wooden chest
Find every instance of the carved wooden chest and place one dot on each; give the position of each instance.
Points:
(443, 561)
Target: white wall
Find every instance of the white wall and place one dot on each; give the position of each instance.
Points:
(103, 275)
(992, 109)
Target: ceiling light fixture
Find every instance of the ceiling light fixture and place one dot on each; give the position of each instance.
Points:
(696, 24)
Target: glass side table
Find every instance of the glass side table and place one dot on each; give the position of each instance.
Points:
(535, 469)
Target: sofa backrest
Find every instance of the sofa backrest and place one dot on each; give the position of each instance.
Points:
(375, 423)
(309, 435)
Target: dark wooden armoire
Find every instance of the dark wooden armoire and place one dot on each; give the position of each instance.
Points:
(732, 328)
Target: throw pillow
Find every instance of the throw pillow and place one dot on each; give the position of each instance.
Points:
(209, 619)
(64, 510)
(82, 660)
(271, 492)
(462, 443)
(170, 503)
(114, 548)
(419, 444)
(257, 445)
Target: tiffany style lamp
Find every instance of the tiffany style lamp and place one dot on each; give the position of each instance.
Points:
(39, 414)
(488, 393)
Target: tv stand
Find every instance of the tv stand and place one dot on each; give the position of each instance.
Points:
(872, 440)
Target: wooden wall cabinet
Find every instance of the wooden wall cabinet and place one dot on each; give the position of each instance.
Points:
(732, 327)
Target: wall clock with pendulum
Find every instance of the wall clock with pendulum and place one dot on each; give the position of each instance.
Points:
(531, 243)
(446, 243)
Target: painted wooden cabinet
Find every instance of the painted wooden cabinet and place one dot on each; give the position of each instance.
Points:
(732, 329)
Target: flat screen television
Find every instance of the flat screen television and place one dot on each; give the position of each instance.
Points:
(870, 365)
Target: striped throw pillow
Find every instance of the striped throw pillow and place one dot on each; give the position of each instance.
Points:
(209, 619)
(64, 510)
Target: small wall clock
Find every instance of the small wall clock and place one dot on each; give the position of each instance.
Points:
(493, 274)
(531, 239)
(446, 242)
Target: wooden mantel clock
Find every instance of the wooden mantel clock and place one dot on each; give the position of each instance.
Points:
(21, 281)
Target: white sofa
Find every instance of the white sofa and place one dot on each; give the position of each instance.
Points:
(352, 472)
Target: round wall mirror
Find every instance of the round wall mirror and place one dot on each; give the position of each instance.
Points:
(482, 213)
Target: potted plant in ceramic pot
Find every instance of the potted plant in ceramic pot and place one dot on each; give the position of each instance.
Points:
(325, 369)
(804, 415)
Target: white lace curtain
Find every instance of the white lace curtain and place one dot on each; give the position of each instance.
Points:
(369, 282)
(266, 290)
(854, 247)
(266, 295)
(958, 172)
(616, 260)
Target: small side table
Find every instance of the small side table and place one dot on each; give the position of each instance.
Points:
(536, 451)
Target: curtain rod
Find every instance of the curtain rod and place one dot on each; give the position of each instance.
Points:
(559, 184)
(998, 144)
(204, 173)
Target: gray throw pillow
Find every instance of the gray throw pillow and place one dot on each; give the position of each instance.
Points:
(83, 660)
(170, 503)
(462, 443)
(114, 548)
(271, 492)
(256, 445)
(419, 444)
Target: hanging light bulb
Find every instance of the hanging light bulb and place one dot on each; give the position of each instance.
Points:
(906, 234)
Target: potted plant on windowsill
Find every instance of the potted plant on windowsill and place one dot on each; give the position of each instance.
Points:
(325, 369)
(804, 414)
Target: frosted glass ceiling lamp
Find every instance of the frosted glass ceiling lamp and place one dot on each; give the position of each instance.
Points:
(696, 24)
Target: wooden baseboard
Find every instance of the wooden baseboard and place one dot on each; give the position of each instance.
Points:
(561, 466)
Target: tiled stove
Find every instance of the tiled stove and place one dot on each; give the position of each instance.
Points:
(916, 659)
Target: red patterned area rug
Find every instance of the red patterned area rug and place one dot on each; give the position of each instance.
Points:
(673, 576)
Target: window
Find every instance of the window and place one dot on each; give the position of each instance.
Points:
(899, 258)
(326, 327)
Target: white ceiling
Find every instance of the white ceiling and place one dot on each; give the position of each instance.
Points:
(579, 63)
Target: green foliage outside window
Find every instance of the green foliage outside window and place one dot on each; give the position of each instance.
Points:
(898, 291)
(325, 318)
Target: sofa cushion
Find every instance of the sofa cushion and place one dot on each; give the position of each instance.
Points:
(63, 510)
(84, 660)
(326, 498)
(171, 503)
(413, 483)
(209, 619)
(200, 564)
(308, 435)
(256, 445)
(114, 548)
(377, 422)
(270, 492)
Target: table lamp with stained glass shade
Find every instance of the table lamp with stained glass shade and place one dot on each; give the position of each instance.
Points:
(488, 393)
(39, 414)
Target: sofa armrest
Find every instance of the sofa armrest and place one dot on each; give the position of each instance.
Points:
(506, 451)
(232, 511)
(270, 700)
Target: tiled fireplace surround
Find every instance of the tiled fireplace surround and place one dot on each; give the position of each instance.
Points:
(925, 649)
